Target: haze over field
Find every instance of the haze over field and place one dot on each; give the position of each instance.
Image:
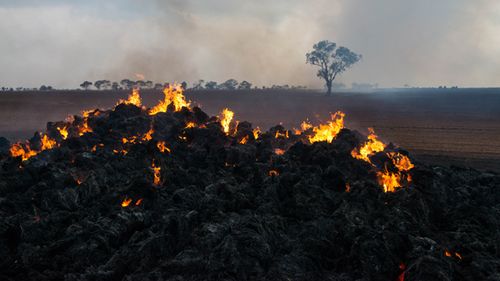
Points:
(420, 43)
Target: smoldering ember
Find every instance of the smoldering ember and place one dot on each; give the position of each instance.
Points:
(170, 193)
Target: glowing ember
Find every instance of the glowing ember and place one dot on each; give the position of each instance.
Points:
(449, 254)
(134, 98)
(138, 202)
(126, 202)
(156, 174)
(149, 135)
(244, 140)
(64, 132)
(328, 132)
(390, 181)
(371, 146)
(190, 125)
(401, 276)
(162, 147)
(227, 116)
(279, 151)
(347, 187)
(273, 173)
(173, 95)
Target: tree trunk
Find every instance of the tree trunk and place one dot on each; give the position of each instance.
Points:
(329, 88)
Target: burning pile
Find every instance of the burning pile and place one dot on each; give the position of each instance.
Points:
(170, 193)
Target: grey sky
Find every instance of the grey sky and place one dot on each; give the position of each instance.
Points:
(425, 42)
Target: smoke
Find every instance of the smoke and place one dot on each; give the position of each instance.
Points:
(419, 43)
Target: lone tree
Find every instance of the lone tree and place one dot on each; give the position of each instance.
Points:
(331, 60)
(86, 84)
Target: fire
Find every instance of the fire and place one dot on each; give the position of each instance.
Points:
(244, 140)
(390, 181)
(17, 150)
(279, 134)
(85, 127)
(25, 152)
(273, 173)
(305, 125)
(173, 95)
(134, 98)
(138, 202)
(64, 132)
(347, 187)
(48, 143)
(227, 116)
(402, 162)
(190, 125)
(162, 147)
(371, 146)
(126, 202)
(149, 135)
(256, 132)
(327, 132)
(156, 174)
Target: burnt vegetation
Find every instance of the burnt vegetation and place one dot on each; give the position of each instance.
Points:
(170, 193)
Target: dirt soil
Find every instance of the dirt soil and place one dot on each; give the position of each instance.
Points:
(441, 126)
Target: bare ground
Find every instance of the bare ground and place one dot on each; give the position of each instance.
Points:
(452, 126)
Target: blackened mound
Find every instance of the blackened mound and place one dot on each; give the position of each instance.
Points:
(223, 210)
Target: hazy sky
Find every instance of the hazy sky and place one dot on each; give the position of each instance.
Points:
(420, 43)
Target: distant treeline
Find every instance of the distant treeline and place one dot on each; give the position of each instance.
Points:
(128, 84)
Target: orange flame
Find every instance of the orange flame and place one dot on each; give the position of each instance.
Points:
(371, 146)
(305, 125)
(256, 133)
(17, 150)
(149, 135)
(126, 202)
(173, 95)
(138, 202)
(328, 132)
(156, 174)
(402, 162)
(64, 132)
(134, 98)
(190, 125)
(227, 116)
(84, 129)
(48, 143)
(162, 147)
(279, 134)
(244, 140)
(390, 181)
